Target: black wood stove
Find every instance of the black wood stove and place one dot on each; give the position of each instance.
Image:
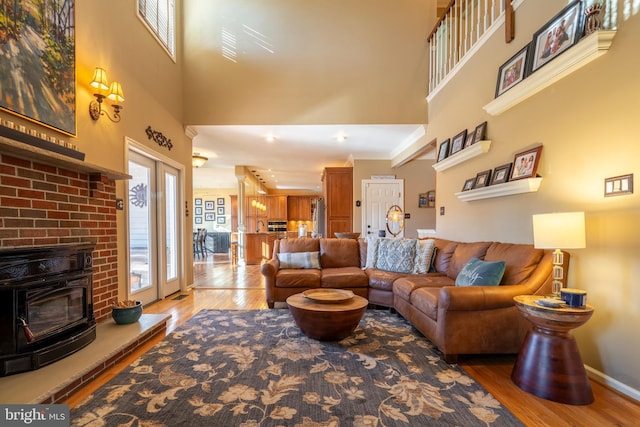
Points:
(46, 304)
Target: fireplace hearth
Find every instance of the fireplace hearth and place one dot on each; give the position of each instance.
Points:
(46, 304)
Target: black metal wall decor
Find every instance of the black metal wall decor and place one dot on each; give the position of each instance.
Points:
(159, 138)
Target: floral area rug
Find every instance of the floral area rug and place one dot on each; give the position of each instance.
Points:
(255, 368)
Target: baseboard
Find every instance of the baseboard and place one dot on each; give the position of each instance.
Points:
(612, 383)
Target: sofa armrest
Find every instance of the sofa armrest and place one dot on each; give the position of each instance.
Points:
(472, 298)
(270, 268)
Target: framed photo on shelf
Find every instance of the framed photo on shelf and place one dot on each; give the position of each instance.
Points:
(198, 201)
(198, 210)
(480, 133)
(559, 34)
(501, 174)
(457, 143)
(220, 210)
(468, 184)
(443, 152)
(198, 219)
(482, 179)
(471, 138)
(525, 164)
(209, 216)
(220, 220)
(220, 201)
(513, 71)
(208, 205)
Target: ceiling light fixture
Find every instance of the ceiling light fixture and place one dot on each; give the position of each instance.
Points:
(270, 138)
(341, 137)
(197, 160)
(114, 94)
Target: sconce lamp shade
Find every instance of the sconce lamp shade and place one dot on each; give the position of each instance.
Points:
(115, 92)
(99, 80)
(559, 230)
(197, 160)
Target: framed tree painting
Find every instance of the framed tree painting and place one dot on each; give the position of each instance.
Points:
(45, 93)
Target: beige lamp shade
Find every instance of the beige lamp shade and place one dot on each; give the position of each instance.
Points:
(559, 230)
(115, 92)
(99, 80)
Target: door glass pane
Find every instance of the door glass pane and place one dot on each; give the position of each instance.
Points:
(170, 186)
(139, 227)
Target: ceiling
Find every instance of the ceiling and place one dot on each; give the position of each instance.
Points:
(294, 160)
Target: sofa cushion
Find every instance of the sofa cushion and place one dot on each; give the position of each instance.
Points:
(343, 277)
(397, 255)
(521, 260)
(335, 253)
(424, 252)
(299, 260)
(303, 244)
(481, 273)
(296, 278)
(404, 286)
(426, 300)
(463, 253)
(382, 280)
(444, 252)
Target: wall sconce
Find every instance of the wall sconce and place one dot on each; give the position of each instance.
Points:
(197, 160)
(115, 94)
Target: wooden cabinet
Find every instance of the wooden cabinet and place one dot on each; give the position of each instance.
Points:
(258, 247)
(338, 195)
(277, 208)
(256, 218)
(299, 208)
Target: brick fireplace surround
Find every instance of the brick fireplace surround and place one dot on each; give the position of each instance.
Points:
(48, 199)
(48, 205)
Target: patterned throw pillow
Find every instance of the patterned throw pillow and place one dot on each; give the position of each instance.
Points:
(299, 260)
(396, 255)
(481, 273)
(424, 255)
(372, 250)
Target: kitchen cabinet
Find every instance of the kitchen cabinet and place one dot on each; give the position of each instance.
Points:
(218, 242)
(258, 247)
(277, 207)
(299, 208)
(337, 186)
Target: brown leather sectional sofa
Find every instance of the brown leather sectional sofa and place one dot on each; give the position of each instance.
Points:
(458, 320)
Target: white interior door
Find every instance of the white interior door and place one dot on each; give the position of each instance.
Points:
(170, 239)
(378, 196)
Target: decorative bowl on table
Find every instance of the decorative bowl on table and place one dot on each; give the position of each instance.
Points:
(126, 312)
(345, 235)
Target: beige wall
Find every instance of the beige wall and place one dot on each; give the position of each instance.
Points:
(587, 124)
(270, 82)
(418, 176)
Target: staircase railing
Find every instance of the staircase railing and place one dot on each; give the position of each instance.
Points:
(467, 24)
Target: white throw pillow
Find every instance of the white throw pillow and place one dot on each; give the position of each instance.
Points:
(424, 254)
(299, 260)
(372, 250)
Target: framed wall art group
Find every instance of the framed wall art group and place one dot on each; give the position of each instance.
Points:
(462, 140)
(524, 165)
(556, 36)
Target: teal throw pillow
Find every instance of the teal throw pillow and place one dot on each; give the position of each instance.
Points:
(481, 273)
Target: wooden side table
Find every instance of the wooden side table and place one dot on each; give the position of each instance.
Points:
(549, 363)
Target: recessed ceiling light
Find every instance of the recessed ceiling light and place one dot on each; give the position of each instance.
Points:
(270, 138)
(341, 137)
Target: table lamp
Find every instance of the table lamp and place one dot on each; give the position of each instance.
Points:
(558, 231)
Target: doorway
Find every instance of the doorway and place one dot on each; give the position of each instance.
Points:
(378, 196)
(154, 225)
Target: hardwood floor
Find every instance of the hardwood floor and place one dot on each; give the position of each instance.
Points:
(219, 285)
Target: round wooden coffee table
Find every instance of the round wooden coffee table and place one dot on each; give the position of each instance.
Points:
(327, 321)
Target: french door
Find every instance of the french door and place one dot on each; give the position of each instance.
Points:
(154, 228)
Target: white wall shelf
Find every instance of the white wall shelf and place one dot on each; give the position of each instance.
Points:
(510, 188)
(470, 152)
(588, 49)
